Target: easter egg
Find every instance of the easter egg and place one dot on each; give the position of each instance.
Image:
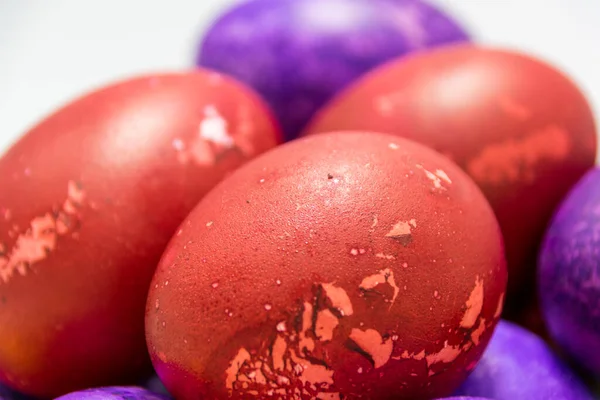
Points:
(569, 273)
(517, 364)
(338, 266)
(464, 398)
(90, 198)
(298, 54)
(114, 393)
(521, 129)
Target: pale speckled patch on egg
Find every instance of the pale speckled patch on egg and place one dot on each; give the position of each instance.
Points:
(39, 240)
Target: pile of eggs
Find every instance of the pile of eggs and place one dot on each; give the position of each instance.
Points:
(345, 200)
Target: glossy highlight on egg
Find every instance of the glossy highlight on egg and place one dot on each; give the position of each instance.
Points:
(334, 266)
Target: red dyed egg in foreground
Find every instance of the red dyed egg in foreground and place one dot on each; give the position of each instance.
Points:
(337, 266)
(517, 126)
(90, 198)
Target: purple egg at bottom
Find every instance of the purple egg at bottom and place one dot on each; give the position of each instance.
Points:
(115, 393)
(517, 364)
(464, 398)
(297, 54)
(569, 274)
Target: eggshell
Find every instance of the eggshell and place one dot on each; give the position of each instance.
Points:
(517, 364)
(341, 265)
(90, 197)
(298, 54)
(114, 393)
(569, 273)
(521, 129)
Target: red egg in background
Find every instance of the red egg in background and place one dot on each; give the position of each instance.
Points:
(336, 266)
(90, 198)
(521, 129)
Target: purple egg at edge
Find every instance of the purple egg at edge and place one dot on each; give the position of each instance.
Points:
(517, 364)
(569, 274)
(298, 54)
(115, 393)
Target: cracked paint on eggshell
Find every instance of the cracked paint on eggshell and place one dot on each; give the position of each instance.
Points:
(339, 326)
(41, 238)
(371, 342)
(520, 127)
(402, 231)
(385, 276)
(520, 157)
(474, 305)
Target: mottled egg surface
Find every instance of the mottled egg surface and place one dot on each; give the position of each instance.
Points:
(114, 393)
(521, 129)
(298, 54)
(517, 364)
(337, 266)
(569, 273)
(90, 197)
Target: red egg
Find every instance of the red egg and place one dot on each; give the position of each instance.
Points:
(90, 198)
(337, 266)
(521, 129)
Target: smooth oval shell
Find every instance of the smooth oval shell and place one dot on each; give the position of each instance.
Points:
(569, 274)
(90, 197)
(114, 393)
(517, 364)
(521, 129)
(344, 264)
(298, 54)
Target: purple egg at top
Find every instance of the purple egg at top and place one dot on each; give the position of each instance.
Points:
(114, 393)
(569, 274)
(298, 53)
(517, 364)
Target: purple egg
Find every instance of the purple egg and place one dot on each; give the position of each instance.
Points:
(114, 393)
(569, 274)
(464, 398)
(298, 53)
(517, 364)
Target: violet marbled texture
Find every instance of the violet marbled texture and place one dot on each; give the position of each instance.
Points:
(569, 273)
(298, 53)
(114, 393)
(517, 364)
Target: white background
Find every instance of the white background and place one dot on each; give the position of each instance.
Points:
(53, 50)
